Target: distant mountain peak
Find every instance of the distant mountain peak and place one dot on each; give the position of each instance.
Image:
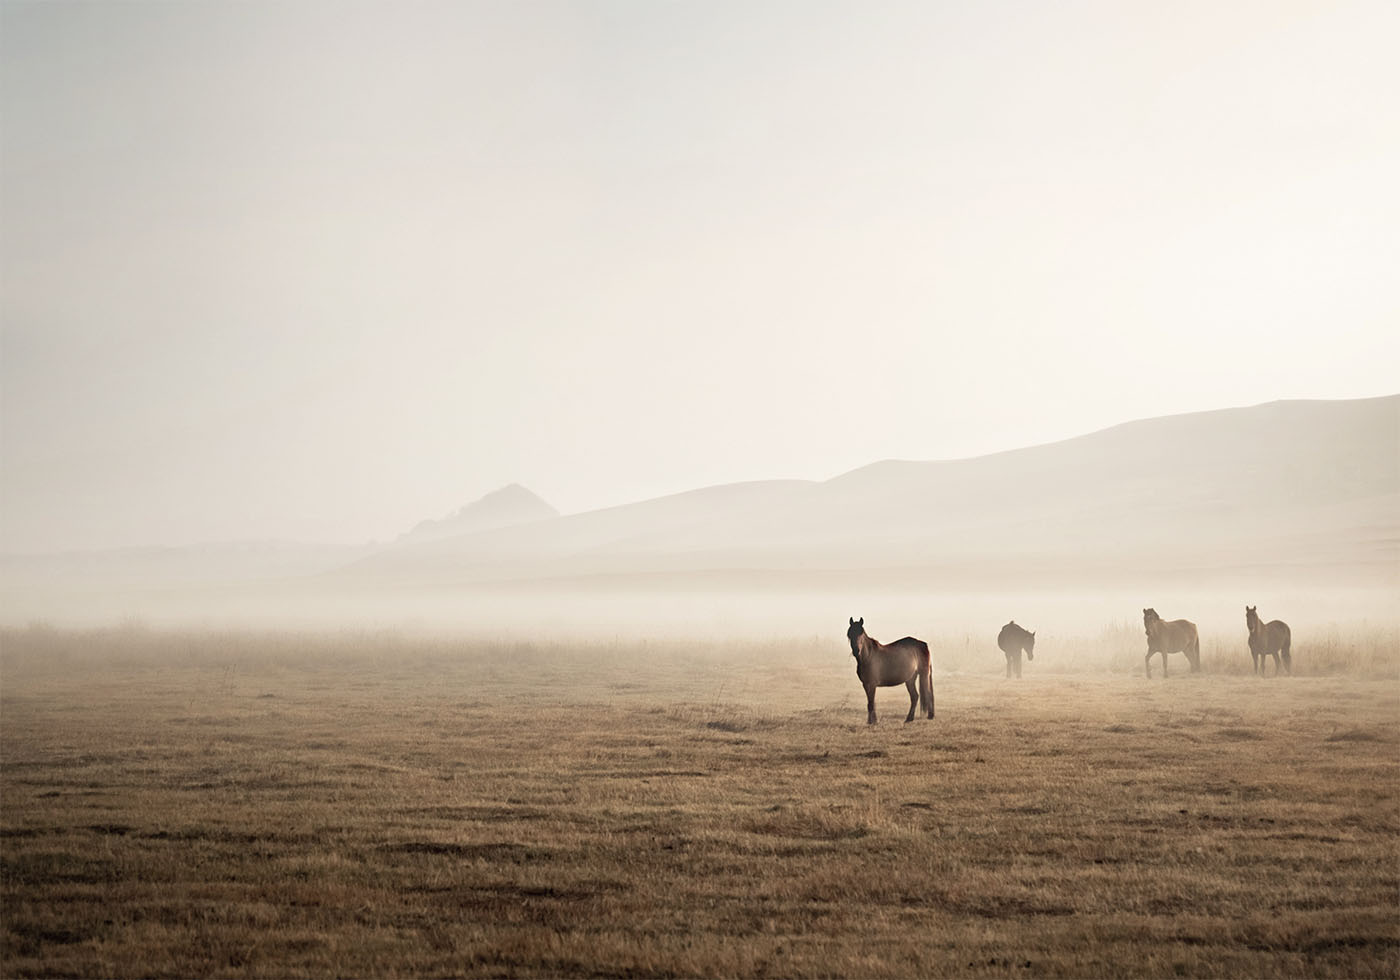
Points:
(513, 494)
(510, 505)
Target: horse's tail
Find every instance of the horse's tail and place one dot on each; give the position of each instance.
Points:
(926, 679)
(1195, 649)
(1286, 647)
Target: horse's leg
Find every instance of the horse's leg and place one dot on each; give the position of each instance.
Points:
(913, 698)
(1288, 654)
(1008, 666)
(1147, 662)
(1018, 665)
(1165, 658)
(1254, 656)
(870, 704)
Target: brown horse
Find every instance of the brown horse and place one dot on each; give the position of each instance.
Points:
(1177, 636)
(1013, 640)
(887, 664)
(1268, 640)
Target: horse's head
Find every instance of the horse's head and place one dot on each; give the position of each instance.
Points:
(1030, 644)
(856, 631)
(1149, 616)
(1251, 617)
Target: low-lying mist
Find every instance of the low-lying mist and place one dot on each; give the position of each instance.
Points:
(1338, 630)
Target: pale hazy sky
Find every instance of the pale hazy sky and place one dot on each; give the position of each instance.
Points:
(321, 270)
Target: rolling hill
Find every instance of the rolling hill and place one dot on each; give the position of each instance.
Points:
(1301, 498)
(1300, 487)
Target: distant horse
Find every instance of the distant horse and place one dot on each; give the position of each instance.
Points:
(888, 664)
(1268, 639)
(1013, 639)
(1177, 636)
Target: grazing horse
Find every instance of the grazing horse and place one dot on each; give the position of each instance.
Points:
(887, 664)
(1268, 639)
(1177, 636)
(1013, 639)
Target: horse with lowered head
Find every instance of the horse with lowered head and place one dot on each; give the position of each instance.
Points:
(888, 664)
(1176, 636)
(1013, 640)
(1268, 640)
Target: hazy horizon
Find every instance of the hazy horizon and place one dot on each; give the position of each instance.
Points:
(320, 271)
(411, 533)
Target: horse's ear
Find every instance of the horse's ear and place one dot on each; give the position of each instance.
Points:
(1032, 632)
(853, 620)
(861, 621)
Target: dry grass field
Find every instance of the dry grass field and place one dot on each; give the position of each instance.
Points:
(241, 804)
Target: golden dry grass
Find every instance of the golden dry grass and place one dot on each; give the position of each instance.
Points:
(381, 804)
